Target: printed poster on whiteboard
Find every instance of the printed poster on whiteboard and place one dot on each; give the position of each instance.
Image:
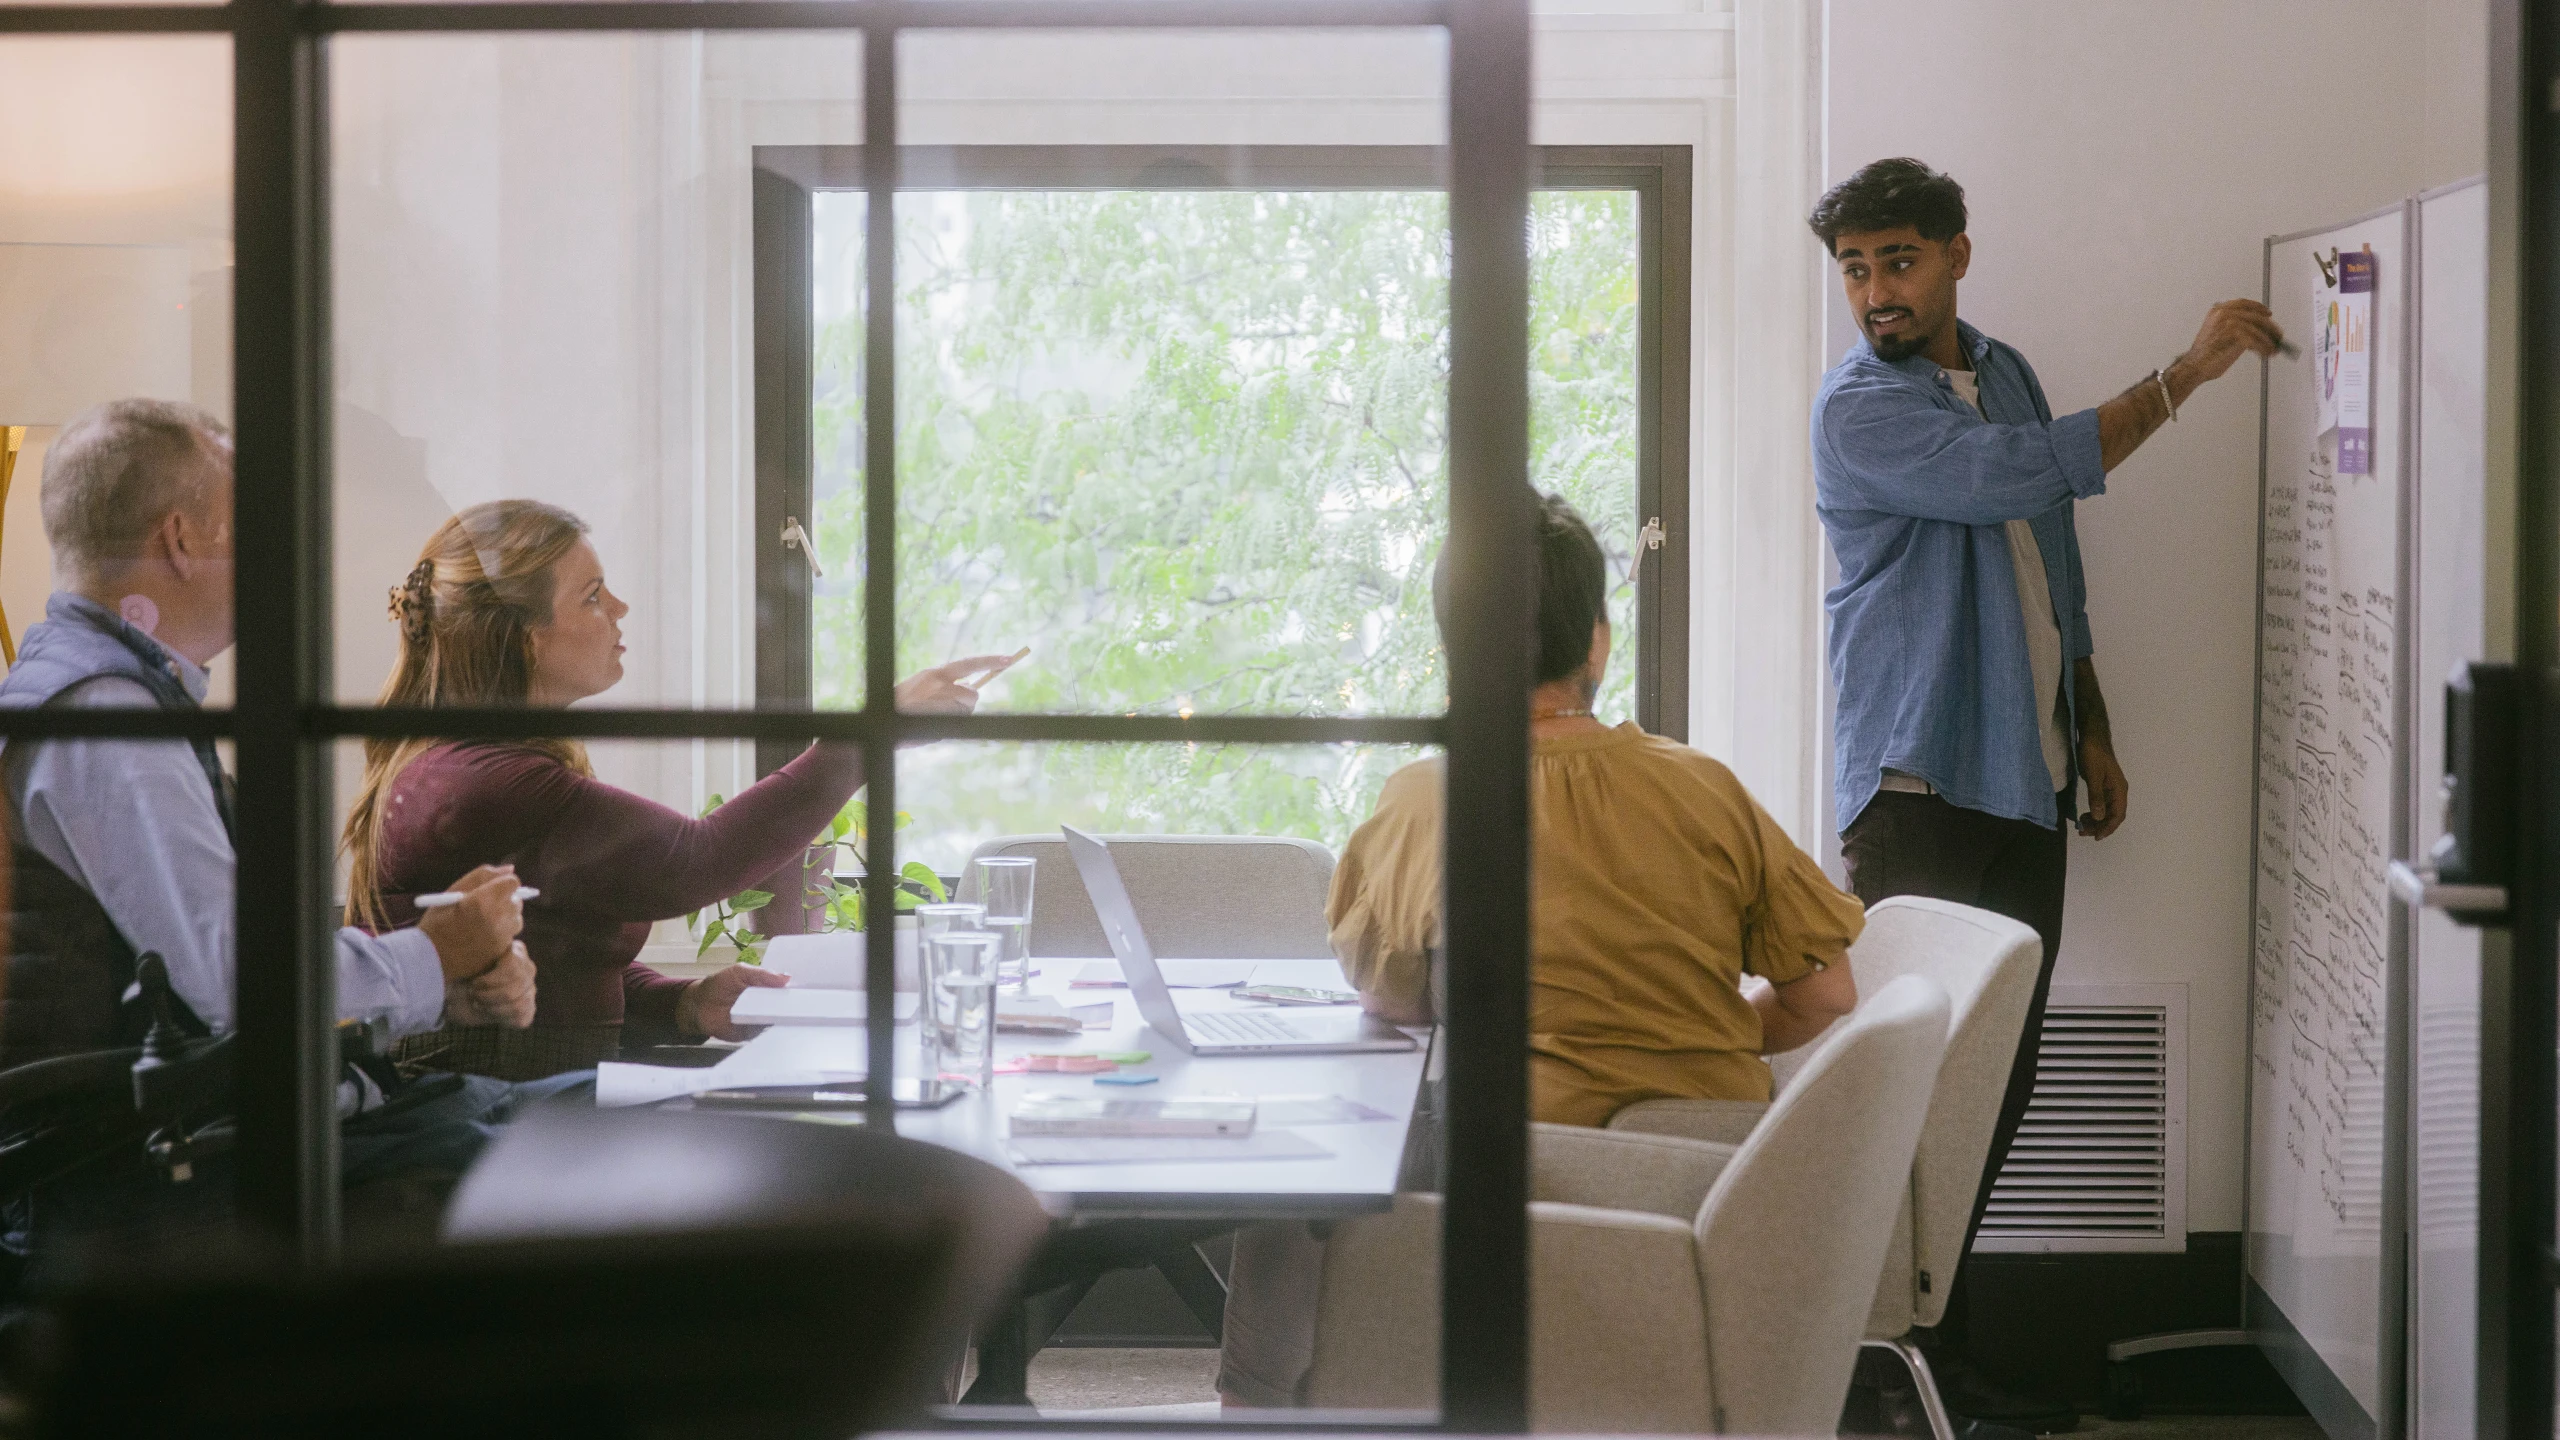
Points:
(2343, 341)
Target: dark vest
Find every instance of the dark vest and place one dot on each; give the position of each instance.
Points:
(69, 967)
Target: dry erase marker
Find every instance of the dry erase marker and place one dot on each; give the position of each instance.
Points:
(2288, 349)
(442, 898)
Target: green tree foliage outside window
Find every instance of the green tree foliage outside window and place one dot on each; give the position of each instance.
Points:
(1190, 446)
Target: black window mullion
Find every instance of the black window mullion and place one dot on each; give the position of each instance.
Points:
(1484, 1274)
(879, 557)
(286, 993)
(2519, 991)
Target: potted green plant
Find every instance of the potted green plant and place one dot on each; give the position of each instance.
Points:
(749, 919)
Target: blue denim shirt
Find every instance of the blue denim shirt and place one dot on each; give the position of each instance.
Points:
(1928, 646)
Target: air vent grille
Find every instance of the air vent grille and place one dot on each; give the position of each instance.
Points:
(2100, 1160)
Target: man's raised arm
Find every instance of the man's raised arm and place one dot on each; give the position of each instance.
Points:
(2231, 329)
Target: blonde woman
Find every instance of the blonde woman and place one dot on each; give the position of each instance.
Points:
(508, 606)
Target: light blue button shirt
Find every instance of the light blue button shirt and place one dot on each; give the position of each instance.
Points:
(134, 822)
(1928, 645)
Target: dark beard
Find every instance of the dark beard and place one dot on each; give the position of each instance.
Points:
(1898, 347)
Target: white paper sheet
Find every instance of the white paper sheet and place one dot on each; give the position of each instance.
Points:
(784, 1055)
(1161, 1150)
(796, 1055)
(792, 1005)
(1316, 1110)
(833, 961)
(619, 1083)
(836, 960)
(1179, 974)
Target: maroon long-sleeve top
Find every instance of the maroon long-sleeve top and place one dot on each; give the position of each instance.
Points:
(609, 863)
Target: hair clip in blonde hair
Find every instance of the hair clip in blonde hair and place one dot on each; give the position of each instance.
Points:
(413, 604)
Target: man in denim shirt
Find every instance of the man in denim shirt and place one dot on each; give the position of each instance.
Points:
(1946, 486)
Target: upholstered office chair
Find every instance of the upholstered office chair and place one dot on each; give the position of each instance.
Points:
(1203, 897)
(1678, 1285)
(606, 1274)
(1988, 965)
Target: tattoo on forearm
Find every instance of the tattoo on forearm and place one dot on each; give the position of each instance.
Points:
(2092, 704)
(2128, 420)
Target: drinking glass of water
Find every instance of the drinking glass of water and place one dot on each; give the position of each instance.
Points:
(1003, 885)
(960, 1023)
(944, 915)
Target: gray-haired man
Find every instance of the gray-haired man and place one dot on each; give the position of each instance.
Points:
(123, 847)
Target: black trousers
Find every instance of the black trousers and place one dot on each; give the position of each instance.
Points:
(1912, 844)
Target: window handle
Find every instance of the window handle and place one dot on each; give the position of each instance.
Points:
(1648, 538)
(795, 538)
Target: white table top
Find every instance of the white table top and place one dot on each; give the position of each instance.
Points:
(1359, 1175)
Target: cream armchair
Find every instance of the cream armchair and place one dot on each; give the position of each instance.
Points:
(1677, 1285)
(1987, 963)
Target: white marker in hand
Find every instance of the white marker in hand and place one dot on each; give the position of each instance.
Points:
(442, 898)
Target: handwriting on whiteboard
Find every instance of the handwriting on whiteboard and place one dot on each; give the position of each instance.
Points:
(2324, 771)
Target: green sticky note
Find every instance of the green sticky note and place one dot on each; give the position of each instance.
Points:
(1127, 1057)
(1124, 1079)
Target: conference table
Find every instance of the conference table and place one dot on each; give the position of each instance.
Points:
(1154, 1209)
(1355, 1174)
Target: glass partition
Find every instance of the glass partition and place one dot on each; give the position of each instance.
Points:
(1192, 434)
(115, 255)
(541, 270)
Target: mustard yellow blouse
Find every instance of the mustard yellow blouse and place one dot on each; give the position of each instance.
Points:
(1658, 882)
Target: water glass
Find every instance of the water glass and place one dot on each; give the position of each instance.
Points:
(1002, 884)
(960, 1021)
(933, 919)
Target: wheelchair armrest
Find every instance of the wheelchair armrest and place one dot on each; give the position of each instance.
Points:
(99, 1071)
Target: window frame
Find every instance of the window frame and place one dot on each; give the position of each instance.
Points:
(787, 178)
(284, 721)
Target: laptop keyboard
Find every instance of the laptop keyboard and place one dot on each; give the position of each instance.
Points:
(1240, 1027)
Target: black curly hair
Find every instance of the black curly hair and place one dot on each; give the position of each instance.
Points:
(1886, 195)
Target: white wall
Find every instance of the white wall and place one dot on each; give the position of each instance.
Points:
(112, 142)
(2123, 163)
(518, 224)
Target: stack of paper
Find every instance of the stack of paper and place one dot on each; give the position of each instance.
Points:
(790, 1055)
(791, 1005)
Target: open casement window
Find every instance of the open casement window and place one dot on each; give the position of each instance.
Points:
(1176, 420)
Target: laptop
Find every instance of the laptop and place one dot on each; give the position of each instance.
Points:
(1211, 1032)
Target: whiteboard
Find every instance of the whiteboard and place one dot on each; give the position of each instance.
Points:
(2448, 627)
(2330, 813)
